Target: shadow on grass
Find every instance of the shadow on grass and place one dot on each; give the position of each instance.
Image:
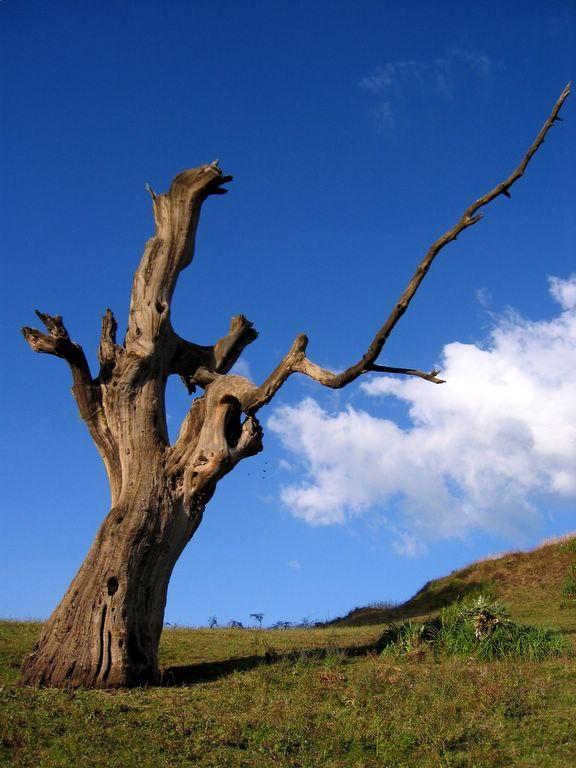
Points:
(206, 672)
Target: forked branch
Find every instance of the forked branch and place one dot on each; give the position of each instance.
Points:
(85, 389)
(297, 362)
(57, 342)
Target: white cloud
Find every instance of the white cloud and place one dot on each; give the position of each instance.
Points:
(483, 297)
(294, 564)
(393, 74)
(438, 73)
(481, 449)
(396, 81)
(408, 545)
(564, 292)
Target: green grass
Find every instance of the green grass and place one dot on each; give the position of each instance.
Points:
(316, 702)
(317, 698)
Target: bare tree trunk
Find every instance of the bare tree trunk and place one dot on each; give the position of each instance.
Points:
(106, 630)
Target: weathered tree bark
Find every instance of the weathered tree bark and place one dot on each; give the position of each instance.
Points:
(106, 630)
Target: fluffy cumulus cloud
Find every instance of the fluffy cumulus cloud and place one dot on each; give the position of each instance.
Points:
(479, 450)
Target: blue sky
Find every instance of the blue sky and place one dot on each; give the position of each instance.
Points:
(357, 132)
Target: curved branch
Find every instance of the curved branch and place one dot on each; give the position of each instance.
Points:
(213, 437)
(176, 214)
(296, 360)
(57, 342)
(229, 348)
(86, 390)
(189, 358)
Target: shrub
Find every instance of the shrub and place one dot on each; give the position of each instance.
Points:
(409, 636)
(478, 627)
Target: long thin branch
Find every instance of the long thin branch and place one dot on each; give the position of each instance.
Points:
(432, 376)
(297, 362)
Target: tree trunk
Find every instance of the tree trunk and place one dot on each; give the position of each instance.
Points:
(106, 630)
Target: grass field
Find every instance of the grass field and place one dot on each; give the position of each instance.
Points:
(317, 697)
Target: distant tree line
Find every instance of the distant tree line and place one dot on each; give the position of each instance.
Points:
(306, 623)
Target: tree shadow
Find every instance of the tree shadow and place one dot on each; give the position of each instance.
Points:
(209, 671)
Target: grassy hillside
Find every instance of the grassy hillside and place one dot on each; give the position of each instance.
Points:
(530, 583)
(309, 698)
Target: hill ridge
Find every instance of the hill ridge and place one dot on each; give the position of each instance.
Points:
(530, 582)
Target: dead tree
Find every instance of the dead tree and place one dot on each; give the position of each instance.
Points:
(106, 630)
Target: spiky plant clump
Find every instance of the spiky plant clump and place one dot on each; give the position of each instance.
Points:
(475, 606)
(407, 637)
(479, 627)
